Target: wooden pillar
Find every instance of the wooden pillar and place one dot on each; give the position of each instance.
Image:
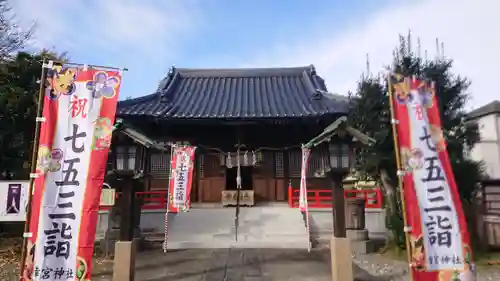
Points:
(196, 176)
(338, 210)
(111, 164)
(125, 249)
(286, 171)
(147, 167)
(125, 179)
(340, 245)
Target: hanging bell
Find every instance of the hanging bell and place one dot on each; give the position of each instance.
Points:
(254, 158)
(229, 160)
(245, 158)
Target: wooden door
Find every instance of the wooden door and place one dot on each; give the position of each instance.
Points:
(264, 189)
(210, 189)
(281, 189)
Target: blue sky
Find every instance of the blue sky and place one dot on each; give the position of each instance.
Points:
(148, 36)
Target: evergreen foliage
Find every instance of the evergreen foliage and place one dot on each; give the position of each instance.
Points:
(370, 112)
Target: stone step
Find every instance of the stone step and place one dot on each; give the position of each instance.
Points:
(259, 227)
(256, 244)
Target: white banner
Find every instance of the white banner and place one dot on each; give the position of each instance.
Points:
(65, 168)
(13, 200)
(440, 225)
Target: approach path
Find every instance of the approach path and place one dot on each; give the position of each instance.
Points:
(232, 265)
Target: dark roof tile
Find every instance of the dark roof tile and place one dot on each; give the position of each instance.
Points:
(238, 93)
(490, 108)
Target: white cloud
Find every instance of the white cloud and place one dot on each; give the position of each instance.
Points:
(468, 29)
(123, 27)
(148, 32)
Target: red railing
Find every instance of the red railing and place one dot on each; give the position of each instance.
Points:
(151, 200)
(319, 198)
(322, 198)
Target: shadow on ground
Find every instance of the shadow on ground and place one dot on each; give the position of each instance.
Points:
(232, 265)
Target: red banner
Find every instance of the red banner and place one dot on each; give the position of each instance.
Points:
(181, 181)
(303, 197)
(303, 179)
(440, 246)
(79, 111)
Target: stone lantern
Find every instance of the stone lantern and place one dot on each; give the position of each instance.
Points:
(341, 139)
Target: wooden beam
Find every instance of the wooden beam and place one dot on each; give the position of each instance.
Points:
(333, 128)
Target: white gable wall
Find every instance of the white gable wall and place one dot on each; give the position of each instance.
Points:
(487, 149)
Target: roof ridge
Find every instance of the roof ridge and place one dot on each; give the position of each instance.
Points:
(242, 72)
(487, 109)
(133, 101)
(242, 68)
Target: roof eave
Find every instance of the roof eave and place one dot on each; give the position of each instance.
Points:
(332, 129)
(137, 136)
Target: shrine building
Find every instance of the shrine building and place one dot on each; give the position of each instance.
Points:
(265, 112)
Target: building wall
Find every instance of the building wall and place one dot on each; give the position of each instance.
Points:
(278, 147)
(487, 149)
(271, 176)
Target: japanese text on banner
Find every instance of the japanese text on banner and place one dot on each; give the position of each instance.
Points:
(58, 231)
(432, 209)
(182, 176)
(79, 107)
(443, 242)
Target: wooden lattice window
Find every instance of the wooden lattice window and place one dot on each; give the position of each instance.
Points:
(294, 163)
(212, 165)
(317, 164)
(279, 164)
(491, 199)
(159, 166)
(201, 166)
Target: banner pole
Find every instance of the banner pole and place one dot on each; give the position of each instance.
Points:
(238, 192)
(168, 202)
(399, 168)
(34, 156)
(101, 67)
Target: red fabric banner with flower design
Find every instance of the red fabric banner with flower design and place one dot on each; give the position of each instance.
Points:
(182, 178)
(440, 245)
(75, 136)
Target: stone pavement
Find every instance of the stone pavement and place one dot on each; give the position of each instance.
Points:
(232, 265)
(276, 226)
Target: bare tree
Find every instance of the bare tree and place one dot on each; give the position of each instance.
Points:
(12, 36)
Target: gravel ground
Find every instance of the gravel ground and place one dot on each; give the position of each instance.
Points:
(395, 270)
(9, 272)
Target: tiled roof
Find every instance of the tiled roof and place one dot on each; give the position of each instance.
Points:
(490, 108)
(238, 93)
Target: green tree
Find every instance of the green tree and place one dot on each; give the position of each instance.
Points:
(370, 113)
(19, 87)
(12, 39)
